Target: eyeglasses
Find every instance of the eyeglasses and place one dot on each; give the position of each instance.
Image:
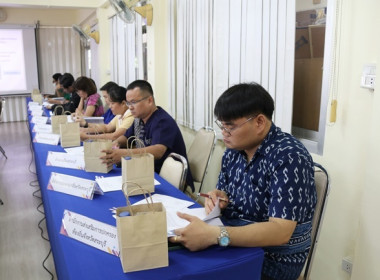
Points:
(229, 130)
(133, 103)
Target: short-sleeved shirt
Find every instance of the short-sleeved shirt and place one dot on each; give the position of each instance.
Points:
(108, 116)
(124, 121)
(162, 129)
(94, 100)
(277, 182)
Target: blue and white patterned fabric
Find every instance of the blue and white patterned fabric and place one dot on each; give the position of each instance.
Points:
(277, 182)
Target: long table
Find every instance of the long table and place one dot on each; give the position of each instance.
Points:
(75, 260)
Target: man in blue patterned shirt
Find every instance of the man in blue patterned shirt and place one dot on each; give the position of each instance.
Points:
(267, 182)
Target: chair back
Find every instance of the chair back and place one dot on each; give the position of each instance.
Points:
(2, 105)
(174, 170)
(200, 152)
(322, 185)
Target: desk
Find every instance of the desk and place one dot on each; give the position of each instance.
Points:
(75, 260)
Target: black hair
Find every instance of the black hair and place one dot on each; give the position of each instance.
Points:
(107, 86)
(85, 84)
(142, 84)
(56, 76)
(117, 94)
(244, 100)
(67, 80)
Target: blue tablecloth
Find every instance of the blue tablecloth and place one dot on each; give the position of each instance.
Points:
(75, 260)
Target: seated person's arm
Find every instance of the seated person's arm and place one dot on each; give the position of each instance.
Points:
(107, 132)
(90, 110)
(198, 235)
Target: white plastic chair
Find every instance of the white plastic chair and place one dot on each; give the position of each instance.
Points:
(200, 152)
(174, 170)
(322, 185)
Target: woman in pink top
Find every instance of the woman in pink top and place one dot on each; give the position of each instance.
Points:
(90, 104)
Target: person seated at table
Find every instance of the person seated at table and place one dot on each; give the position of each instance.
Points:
(118, 126)
(266, 183)
(71, 104)
(157, 130)
(90, 104)
(58, 91)
(108, 115)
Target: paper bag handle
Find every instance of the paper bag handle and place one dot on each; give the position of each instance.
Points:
(55, 109)
(139, 188)
(135, 139)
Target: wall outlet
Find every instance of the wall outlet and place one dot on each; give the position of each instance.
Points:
(368, 76)
(347, 265)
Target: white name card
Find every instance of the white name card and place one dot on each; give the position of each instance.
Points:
(42, 128)
(71, 185)
(34, 105)
(46, 138)
(39, 120)
(91, 232)
(65, 160)
(36, 112)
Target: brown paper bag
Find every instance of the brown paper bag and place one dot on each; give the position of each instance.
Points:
(57, 120)
(93, 152)
(36, 96)
(138, 168)
(70, 136)
(142, 236)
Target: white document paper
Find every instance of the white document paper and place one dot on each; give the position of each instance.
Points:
(69, 119)
(42, 128)
(114, 183)
(71, 185)
(174, 222)
(46, 138)
(91, 232)
(65, 160)
(170, 203)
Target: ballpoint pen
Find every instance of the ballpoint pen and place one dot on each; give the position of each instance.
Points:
(208, 196)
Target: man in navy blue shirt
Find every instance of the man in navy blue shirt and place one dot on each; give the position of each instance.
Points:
(266, 187)
(153, 126)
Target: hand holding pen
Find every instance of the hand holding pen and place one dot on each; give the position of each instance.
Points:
(214, 197)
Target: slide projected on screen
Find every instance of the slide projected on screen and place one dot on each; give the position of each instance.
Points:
(12, 62)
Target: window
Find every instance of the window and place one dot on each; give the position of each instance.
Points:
(313, 68)
(216, 44)
(127, 51)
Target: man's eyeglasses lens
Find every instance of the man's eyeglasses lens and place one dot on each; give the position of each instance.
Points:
(229, 130)
(133, 103)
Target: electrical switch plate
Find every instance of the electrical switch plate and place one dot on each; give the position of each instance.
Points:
(347, 264)
(369, 76)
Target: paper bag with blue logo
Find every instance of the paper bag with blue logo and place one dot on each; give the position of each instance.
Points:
(58, 119)
(70, 135)
(141, 232)
(138, 168)
(92, 153)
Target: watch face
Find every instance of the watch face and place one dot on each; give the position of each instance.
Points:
(224, 241)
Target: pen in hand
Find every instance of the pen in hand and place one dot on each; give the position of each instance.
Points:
(206, 195)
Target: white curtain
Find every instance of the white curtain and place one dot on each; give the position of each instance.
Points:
(58, 52)
(216, 44)
(126, 51)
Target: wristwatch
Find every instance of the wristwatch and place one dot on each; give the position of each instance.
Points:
(224, 237)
